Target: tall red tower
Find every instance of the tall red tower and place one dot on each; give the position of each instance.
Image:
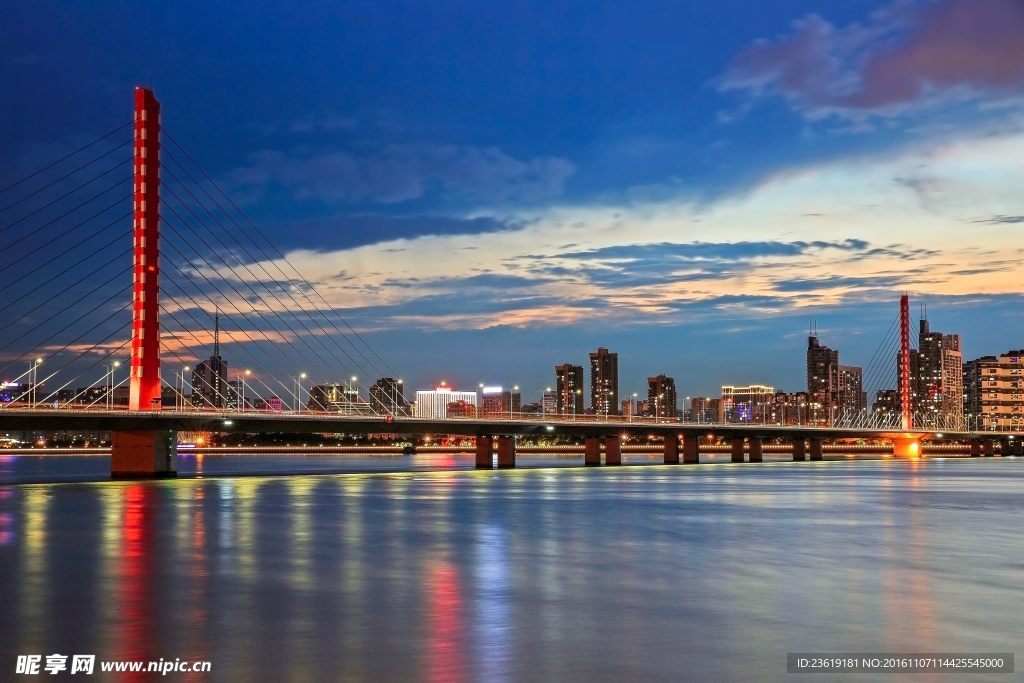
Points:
(144, 390)
(904, 363)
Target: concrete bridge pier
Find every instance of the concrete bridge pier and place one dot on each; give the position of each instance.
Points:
(975, 448)
(484, 452)
(612, 450)
(988, 448)
(799, 449)
(592, 451)
(756, 449)
(672, 449)
(815, 448)
(691, 449)
(506, 451)
(736, 446)
(143, 455)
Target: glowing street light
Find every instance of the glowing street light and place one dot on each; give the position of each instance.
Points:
(245, 374)
(297, 395)
(33, 369)
(110, 382)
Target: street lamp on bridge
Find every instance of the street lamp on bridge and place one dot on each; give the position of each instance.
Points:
(241, 401)
(179, 386)
(297, 406)
(110, 382)
(33, 370)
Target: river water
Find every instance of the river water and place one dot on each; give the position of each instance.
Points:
(704, 573)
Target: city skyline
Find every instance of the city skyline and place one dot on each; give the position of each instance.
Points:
(776, 166)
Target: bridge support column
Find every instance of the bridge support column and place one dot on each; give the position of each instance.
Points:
(988, 448)
(671, 449)
(612, 450)
(484, 452)
(815, 448)
(143, 455)
(736, 444)
(144, 372)
(756, 449)
(975, 448)
(592, 451)
(506, 451)
(799, 449)
(691, 449)
(906, 448)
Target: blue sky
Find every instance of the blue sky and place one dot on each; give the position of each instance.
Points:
(488, 189)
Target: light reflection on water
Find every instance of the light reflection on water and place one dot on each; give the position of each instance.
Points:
(673, 572)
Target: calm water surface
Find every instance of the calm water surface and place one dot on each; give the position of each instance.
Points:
(702, 573)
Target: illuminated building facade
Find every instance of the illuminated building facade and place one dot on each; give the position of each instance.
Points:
(387, 396)
(937, 379)
(497, 401)
(661, 397)
(434, 403)
(822, 377)
(994, 388)
(569, 389)
(604, 382)
(745, 404)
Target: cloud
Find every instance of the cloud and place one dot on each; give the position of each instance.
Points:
(352, 230)
(824, 236)
(995, 220)
(905, 57)
(733, 251)
(400, 173)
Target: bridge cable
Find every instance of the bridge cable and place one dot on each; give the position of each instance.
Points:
(278, 252)
(247, 282)
(199, 307)
(61, 273)
(70, 305)
(63, 177)
(254, 278)
(234, 289)
(258, 263)
(118, 183)
(65, 157)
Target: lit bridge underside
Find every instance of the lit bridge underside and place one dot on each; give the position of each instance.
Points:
(600, 436)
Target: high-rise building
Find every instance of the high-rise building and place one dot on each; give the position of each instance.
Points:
(549, 403)
(788, 408)
(434, 403)
(497, 401)
(937, 379)
(569, 389)
(851, 400)
(994, 389)
(886, 409)
(338, 398)
(822, 378)
(604, 382)
(745, 404)
(461, 409)
(705, 409)
(661, 397)
(210, 377)
(234, 397)
(387, 397)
